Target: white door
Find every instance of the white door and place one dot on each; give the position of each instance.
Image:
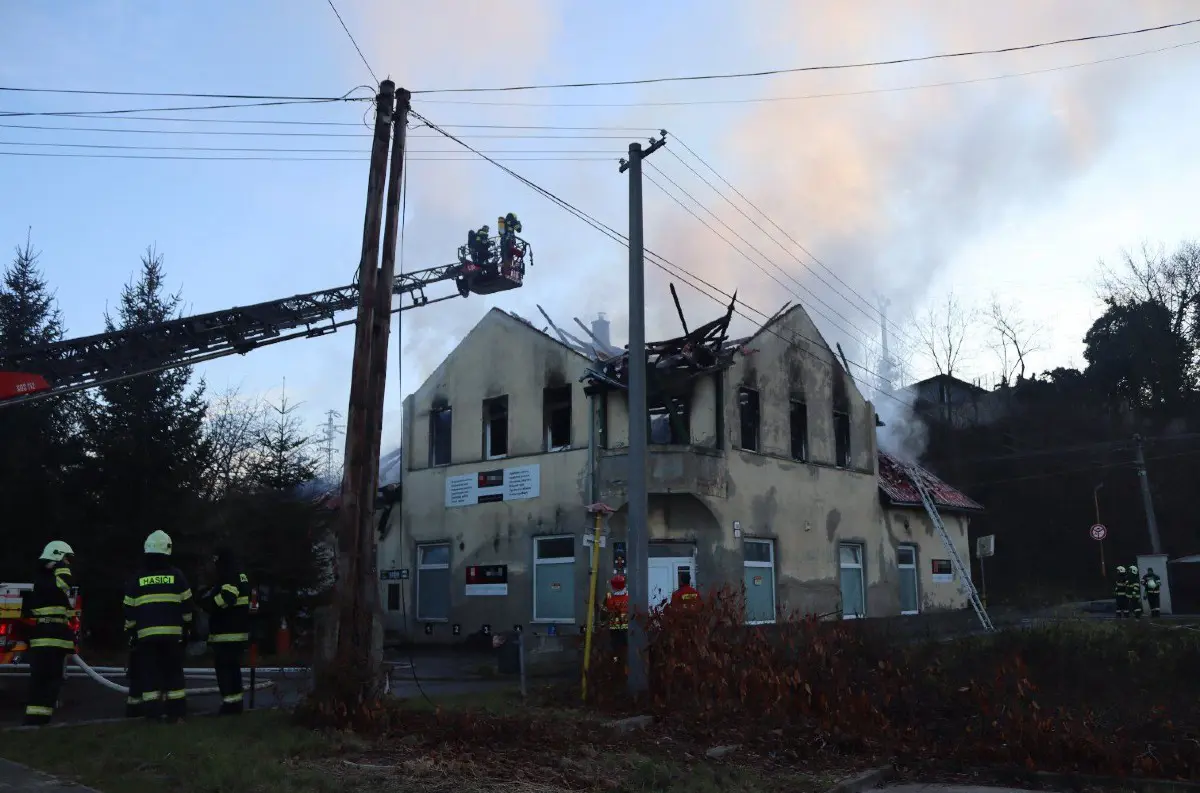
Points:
(663, 578)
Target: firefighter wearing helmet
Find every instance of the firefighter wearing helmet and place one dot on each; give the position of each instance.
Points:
(1121, 591)
(616, 612)
(49, 607)
(1133, 592)
(228, 606)
(158, 617)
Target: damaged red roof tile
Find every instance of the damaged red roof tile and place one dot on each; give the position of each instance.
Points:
(897, 486)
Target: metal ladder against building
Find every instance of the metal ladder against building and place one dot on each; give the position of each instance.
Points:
(964, 575)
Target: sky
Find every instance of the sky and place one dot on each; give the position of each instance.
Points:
(897, 185)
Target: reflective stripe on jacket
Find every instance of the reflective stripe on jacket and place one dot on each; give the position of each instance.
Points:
(229, 608)
(158, 605)
(49, 606)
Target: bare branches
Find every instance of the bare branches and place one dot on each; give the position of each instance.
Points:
(233, 428)
(1014, 339)
(1173, 280)
(943, 333)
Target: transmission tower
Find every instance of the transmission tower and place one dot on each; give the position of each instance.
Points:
(332, 430)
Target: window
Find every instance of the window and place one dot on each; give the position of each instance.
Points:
(669, 422)
(942, 570)
(433, 582)
(495, 428)
(906, 563)
(440, 420)
(393, 597)
(841, 438)
(850, 560)
(759, 577)
(554, 579)
(799, 423)
(748, 409)
(556, 416)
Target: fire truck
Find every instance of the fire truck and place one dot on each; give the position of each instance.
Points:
(15, 630)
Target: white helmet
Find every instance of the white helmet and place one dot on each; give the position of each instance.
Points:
(56, 551)
(158, 542)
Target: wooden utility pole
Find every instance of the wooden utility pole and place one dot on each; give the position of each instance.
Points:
(359, 651)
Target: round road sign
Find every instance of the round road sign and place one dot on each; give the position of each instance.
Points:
(1098, 531)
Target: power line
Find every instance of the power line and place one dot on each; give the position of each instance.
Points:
(1088, 469)
(272, 149)
(818, 68)
(162, 94)
(263, 134)
(352, 41)
(611, 159)
(94, 113)
(292, 122)
(826, 95)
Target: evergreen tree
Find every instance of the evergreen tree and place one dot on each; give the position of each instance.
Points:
(147, 450)
(38, 449)
(284, 459)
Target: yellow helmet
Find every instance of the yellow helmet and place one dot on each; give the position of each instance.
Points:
(56, 551)
(158, 542)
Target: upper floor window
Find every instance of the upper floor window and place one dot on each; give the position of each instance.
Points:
(841, 438)
(495, 427)
(440, 422)
(556, 417)
(799, 427)
(669, 421)
(750, 418)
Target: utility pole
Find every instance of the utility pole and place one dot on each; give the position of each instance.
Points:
(1147, 500)
(357, 654)
(637, 565)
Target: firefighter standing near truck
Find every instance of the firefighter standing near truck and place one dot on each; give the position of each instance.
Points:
(49, 607)
(1121, 591)
(228, 605)
(1152, 585)
(158, 617)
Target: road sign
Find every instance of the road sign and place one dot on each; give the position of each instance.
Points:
(985, 546)
(1098, 531)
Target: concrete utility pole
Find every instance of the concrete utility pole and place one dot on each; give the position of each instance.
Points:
(1147, 500)
(636, 563)
(359, 649)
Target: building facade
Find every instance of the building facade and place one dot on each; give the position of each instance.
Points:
(763, 471)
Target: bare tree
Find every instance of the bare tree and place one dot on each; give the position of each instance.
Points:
(943, 333)
(1014, 339)
(233, 427)
(1172, 280)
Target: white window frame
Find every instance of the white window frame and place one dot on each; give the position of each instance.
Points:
(761, 565)
(552, 561)
(435, 566)
(862, 577)
(916, 568)
(570, 405)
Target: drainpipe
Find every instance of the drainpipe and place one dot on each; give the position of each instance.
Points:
(593, 480)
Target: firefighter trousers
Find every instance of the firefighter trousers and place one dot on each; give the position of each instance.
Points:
(135, 677)
(160, 667)
(1154, 600)
(227, 663)
(45, 683)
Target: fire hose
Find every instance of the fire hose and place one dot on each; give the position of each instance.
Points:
(104, 681)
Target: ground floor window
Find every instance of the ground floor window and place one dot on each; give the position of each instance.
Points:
(906, 563)
(850, 560)
(759, 578)
(393, 597)
(554, 579)
(433, 582)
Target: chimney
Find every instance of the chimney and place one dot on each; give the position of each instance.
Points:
(600, 330)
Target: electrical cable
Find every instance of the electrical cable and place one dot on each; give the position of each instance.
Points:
(139, 147)
(292, 122)
(251, 158)
(870, 311)
(1088, 469)
(95, 113)
(352, 41)
(826, 95)
(261, 133)
(176, 95)
(816, 68)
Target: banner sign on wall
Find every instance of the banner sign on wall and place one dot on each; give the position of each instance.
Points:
(500, 484)
(489, 579)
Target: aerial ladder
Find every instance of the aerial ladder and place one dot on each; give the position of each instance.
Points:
(966, 585)
(62, 367)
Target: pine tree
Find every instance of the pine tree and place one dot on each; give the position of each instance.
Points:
(147, 449)
(284, 458)
(38, 450)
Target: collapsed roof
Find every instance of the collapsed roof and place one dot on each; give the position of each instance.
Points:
(897, 488)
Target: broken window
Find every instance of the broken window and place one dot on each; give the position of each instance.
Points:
(439, 435)
(748, 409)
(669, 423)
(799, 424)
(841, 439)
(556, 416)
(495, 427)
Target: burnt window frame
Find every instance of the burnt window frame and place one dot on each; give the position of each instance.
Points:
(665, 407)
(793, 404)
(487, 424)
(842, 441)
(747, 396)
(434, 437)
(557, 398)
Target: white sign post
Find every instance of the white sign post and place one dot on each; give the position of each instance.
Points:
(985, 546)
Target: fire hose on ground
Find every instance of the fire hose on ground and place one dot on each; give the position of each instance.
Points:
(96, 675)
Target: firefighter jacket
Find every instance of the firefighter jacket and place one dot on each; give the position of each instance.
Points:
(49, 606)
(158, 604)
(616, 610)
(1152, 583)
(686, 597)
(228, 606)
